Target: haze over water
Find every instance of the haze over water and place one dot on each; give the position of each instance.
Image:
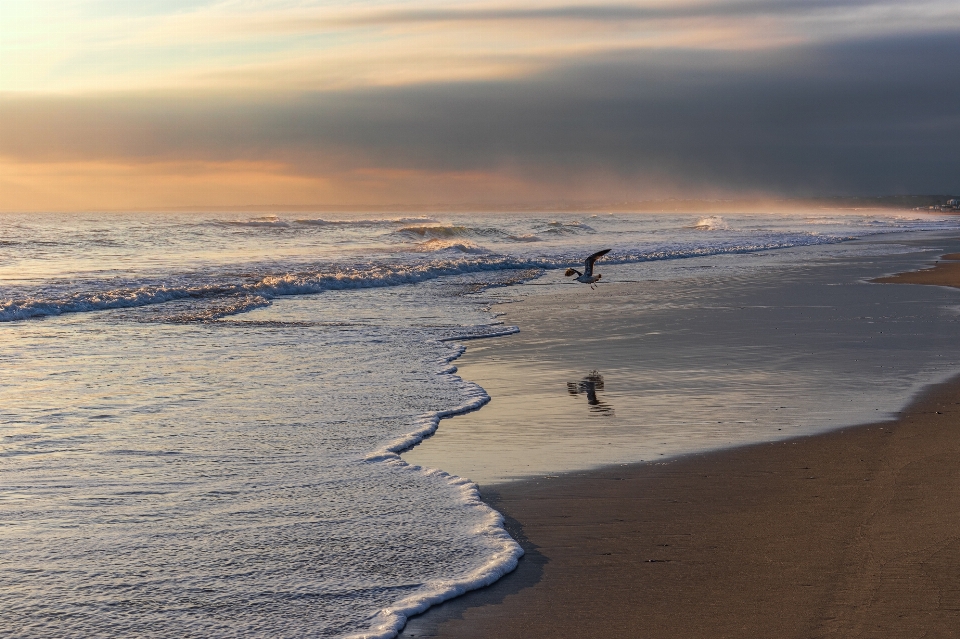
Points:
(200, 413)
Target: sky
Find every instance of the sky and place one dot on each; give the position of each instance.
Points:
(164, 104)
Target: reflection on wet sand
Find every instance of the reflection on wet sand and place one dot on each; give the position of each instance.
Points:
(589, 385)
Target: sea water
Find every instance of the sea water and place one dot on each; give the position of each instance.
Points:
(684, 356)
(200, 414)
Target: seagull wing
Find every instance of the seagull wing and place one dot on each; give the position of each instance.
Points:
(588, 263)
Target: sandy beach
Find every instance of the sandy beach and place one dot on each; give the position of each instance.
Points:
(945, 272)
(850, 533)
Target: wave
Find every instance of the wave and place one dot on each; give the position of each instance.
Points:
(567, 228)
(274, 221)
(388, 622)
(893, 222)
(710, 223)
(214, 312)
(268, 221)
(456, 258)
(367, 223)
(12, 310)
(440, 232)
(436, 245)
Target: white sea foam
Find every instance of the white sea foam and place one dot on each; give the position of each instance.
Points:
(361, 223)
(220, 309)
(446, 231)
(710, 223)
(466, 258)
(279, 525)
(266, 221)
(389, 621)
(461, 246)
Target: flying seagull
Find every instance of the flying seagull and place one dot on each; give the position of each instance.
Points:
(587, 277)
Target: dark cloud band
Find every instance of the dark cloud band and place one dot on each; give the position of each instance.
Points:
(860, 117)
(613, 12)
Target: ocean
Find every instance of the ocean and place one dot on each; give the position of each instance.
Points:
(201, 414)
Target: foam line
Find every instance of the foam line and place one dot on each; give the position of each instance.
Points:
(271, 286)
(512, 330)
(367, 223)
(388, 622)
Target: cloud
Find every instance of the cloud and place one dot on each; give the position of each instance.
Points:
(312, 45)
(860, 117)
(617, 13)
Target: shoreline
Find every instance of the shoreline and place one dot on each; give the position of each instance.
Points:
(768, 346)
(836, 534)
(944, 272)
(846, 533)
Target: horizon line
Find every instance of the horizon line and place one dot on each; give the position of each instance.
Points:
(853, 202)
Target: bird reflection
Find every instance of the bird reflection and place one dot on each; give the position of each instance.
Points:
(589, 385)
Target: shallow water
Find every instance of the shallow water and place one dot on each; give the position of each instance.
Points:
(210, 479)
(199, 413)
(739, 349)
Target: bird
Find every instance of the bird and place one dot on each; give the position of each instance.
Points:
(587, 277)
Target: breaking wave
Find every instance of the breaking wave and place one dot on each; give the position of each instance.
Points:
(440, 232)
(275, 221)
(457, 246)
(566, 228)
(449, 258)
(266, 221)
(219, 309)
(710, 223)
(367, 223)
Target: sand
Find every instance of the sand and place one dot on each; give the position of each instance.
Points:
(853, 533)
(849, 534)
(945, 272)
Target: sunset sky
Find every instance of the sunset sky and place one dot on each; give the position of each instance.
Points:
(113, 104)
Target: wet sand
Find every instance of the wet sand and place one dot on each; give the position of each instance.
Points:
(853, 533)
(946, 272)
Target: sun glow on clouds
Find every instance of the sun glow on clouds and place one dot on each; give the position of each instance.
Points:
(100, 185)
(108, 186)
(164, 103)
(94, 45)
